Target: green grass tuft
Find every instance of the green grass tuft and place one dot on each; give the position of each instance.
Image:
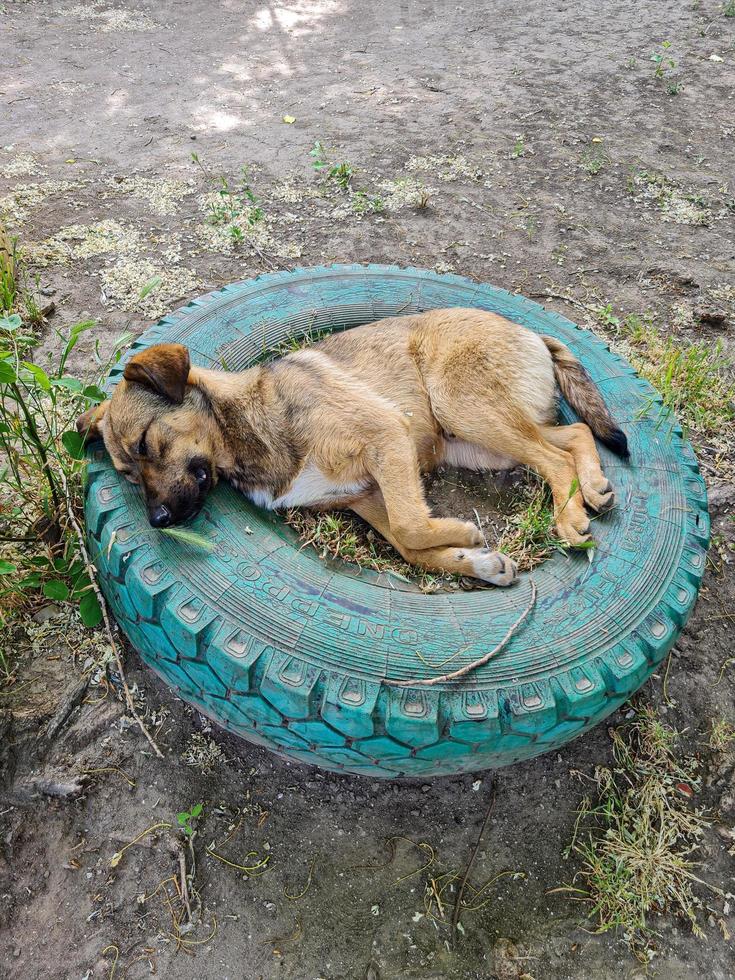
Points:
(637, 842)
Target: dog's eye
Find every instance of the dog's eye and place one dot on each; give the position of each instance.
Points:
(142, 445)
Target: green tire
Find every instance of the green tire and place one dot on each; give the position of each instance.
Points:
(294, 653)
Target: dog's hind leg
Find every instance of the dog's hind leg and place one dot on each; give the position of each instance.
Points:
(513, 433)
(476, 562)
(578, 440)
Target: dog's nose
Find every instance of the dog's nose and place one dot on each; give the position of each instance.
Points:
(160, 516)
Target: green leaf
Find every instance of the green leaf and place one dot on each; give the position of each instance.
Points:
(6, 568)
(89, 610)
(73, 443)
(39, 375)
(81, 586)
(11, 323)
(94, 393)
(31, 581)
(7, 373)
(189, 537)
(74, 334)
(71, 384)
(56, 589)
(153, 283)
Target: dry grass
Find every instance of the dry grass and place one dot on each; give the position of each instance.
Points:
(342, 536)
(637, 842)
(525, 535)
(528, 534)
(722, 735)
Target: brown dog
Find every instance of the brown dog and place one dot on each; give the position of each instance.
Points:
(353, 421)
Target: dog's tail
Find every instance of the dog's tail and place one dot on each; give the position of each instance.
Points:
(579, 390)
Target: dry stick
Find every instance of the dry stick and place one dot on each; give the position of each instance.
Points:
(92, 572)
(567, 299)
(463, 671)
(184, 885)
(470, 863)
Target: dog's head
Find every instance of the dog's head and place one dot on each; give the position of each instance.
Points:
(159, 433)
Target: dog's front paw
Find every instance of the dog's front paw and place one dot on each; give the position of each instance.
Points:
(453, 531)
(493, 567)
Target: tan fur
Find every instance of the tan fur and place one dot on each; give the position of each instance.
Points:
(353, 422)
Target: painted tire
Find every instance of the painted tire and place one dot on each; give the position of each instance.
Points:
(293, 653)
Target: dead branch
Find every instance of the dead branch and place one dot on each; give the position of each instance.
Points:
(463, 671)
(470, 863)
(92, 572)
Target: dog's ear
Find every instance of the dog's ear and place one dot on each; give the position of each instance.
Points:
(163, 368)
(89, 424)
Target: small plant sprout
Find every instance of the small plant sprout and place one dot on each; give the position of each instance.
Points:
(519, 147)
(593, 160)
(340, 173)
(662, 60)
(606, 316)
(363, 203)
(150, 286)
(187, 819)
(233, 206)
(728, 8)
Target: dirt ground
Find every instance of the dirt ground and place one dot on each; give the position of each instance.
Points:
(555, 161)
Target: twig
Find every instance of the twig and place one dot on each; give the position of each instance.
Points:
(92, 572)
(463, 671)
(92, 772)
(470, 863)
(567, 299)
(184, 885)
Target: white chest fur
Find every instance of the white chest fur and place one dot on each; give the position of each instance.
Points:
(310, 488)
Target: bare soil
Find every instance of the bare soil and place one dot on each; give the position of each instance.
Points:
(500, 113)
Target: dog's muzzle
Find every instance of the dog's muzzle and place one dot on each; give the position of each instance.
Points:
(160, 516)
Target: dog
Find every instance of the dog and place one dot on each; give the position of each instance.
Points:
(353, 421)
